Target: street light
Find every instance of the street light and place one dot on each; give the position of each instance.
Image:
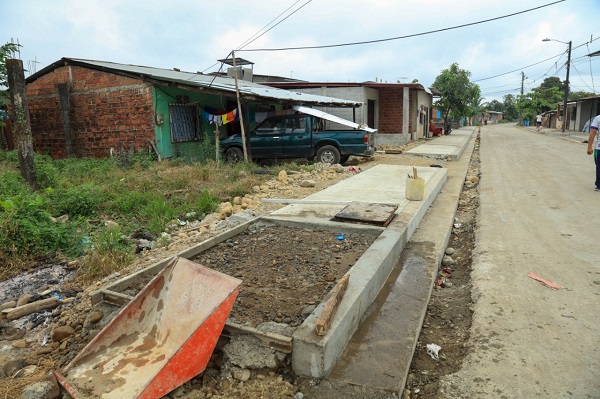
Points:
(566, 81)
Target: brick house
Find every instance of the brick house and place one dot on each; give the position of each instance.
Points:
(96, 109)
(399, 111)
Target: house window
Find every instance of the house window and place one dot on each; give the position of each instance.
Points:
(185, 122)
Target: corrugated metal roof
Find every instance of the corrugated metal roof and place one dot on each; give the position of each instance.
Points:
(203, 81)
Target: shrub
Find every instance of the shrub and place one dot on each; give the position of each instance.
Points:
(80, 200)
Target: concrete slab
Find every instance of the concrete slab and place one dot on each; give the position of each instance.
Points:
(380, 353)
(314, 355)
(451, 146)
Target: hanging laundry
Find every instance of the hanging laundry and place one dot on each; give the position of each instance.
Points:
(220, 119)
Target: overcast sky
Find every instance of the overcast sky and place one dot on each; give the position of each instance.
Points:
(192, 35)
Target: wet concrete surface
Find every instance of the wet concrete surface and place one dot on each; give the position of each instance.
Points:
(382, 343)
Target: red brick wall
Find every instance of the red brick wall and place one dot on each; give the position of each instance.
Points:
(391, 102)
(107, 110)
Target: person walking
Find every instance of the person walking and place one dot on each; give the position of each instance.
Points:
(594, 126)
(538, 122)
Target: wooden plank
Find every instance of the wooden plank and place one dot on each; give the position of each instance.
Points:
(276, 341)
(116, 298)
(371, 213)
(304, 201)
(127, 281)
(33, 307)
(332, 302)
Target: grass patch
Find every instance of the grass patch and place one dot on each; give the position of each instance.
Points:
(75, 196)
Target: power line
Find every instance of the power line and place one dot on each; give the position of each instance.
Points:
(295, 11)
(518, 69)
(405, 36)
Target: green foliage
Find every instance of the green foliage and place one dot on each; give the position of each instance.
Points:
(158, 213)
(11, 184)
(147, 196)
(459, 96)
(510, 107)
(27, 229)
(576, 95)
(539, 100)
(6, 52)
(83, 200)
(206, 203)
(110, 252)
(45, 171)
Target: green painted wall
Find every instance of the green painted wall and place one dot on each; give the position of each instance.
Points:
(192, 150)
(204, 148)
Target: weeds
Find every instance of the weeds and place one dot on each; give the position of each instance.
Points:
(74, 195)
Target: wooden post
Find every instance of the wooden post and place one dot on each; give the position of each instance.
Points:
(20, 118)
(237, 93)
(217, 143)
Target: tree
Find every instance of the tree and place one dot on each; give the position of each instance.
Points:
(6, 52)
(495, 105)
(576, 95)
(510, 107)
(551, 82)
(459, 96)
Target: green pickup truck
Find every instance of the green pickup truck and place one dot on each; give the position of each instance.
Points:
(301, 135)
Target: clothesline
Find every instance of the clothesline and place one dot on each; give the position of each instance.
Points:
(222, 119)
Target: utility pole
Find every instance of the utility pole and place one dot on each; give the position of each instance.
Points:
(237, 92)
(20, 119)
(564, 122)
(521, 99)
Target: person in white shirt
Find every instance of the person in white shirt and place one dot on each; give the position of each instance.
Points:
(594, 126)
(538, 121)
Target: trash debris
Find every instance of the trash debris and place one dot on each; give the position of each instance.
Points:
(547, 283)
(353, 169)
(457, 225)
(433, 351)
(340, 237)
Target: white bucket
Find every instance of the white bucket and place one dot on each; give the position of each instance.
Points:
(415, 189)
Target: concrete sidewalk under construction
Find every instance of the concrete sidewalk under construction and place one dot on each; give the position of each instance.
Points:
(317, 356)
(334, 355)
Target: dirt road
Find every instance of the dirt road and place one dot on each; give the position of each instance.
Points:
(537, 208)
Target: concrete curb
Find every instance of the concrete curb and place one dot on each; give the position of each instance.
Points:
(315, 355)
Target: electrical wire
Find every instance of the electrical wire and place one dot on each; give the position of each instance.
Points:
(405, 36)
(253, 38)
(518, 69)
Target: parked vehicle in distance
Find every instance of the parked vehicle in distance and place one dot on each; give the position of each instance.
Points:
(301, 135)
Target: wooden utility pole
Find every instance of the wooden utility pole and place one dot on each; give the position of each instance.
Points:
(20, 119)
(521, 99)
(237, 93)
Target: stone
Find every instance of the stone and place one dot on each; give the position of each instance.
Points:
(110, 224)
(95, 316)
(282, 176)
(8, 305)
(225, 210)
(60, 333)
(474, 179)
(237, 201)
(308, 310)
(308, 183)
(20, 344)
(45, 389)
(447, 261)
(299, 395)
(12, 367)
(450, 251)
(246, 351)
(23, 299)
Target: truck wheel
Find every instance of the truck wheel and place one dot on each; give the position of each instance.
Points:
(344, 158)
(234, 155)
(328, 154)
